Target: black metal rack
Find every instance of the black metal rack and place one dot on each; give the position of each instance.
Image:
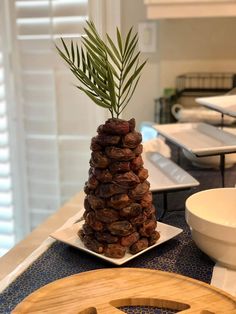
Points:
(217, 83)
(193, 84)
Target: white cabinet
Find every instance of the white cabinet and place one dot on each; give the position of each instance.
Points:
(163, 9)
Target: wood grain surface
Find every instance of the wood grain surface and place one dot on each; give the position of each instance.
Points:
(102, 291)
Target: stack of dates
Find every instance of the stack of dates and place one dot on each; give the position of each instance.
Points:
(119, 214)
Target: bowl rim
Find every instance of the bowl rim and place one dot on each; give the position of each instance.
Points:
(205, 219)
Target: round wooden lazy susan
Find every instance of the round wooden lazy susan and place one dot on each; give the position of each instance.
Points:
(103, 291)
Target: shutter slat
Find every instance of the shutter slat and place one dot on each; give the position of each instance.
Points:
(4, 155)
(34, 61)
(6, 214)
(43, 187)
(2, 92)
(4, 140)
(5, 184)
(40, 127)
(47, 175)
(42, 158)
(5, 169)
(3, 123)
(37, 97)
(7, 228)
(1, 75)
(28, 28)
(38, 216)
(5, 199)
(44, 110)
(69, 26)
(38, 79)
(50, 203)
(70, 188)
(6, 241)
(2, 108)
(24, 11)
(35, 45)
(69, 8)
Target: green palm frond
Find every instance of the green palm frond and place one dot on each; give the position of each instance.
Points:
(108, 72)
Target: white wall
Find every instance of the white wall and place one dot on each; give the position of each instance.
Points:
(142, 104)
(202, 45)
(183, 46)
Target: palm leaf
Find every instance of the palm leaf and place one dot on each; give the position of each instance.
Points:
(81, 75)
(114, 47)
(131, 47)
(114, 72)
(72, 52)
(96, 58)
(97, 79)
(119, 40)
(127, 39)
(109, 73)
(89, 67)
(85, 80)
(64, 57)
(99, 102)
(130, 65)
(113, 57)
(98, 67)
(132, 78)
(83, 60)
(93, 39)
(111, 89)
(94, 48)
(129, 93)
(66, 49)
(94, 31)
(78, 56)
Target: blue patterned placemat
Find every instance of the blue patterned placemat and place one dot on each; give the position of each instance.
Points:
(146, 310)
(179, 255)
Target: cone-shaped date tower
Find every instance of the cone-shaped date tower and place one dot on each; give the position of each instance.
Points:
(119, 214)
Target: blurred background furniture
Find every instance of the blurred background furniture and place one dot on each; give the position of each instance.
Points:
(188, 87)
(201, 140)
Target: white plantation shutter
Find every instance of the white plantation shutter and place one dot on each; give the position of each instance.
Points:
(58, 120)
(7, 238)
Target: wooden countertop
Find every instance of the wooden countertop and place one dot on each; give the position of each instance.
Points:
(24, 248)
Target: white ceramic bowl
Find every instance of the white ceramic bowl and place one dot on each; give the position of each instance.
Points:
(211, 215)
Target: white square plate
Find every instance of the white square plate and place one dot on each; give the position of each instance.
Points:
(225, 104)
(200, 139)
(165, 175)
(69, 236)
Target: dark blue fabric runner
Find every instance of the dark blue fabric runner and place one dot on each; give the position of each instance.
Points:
(178, 255)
